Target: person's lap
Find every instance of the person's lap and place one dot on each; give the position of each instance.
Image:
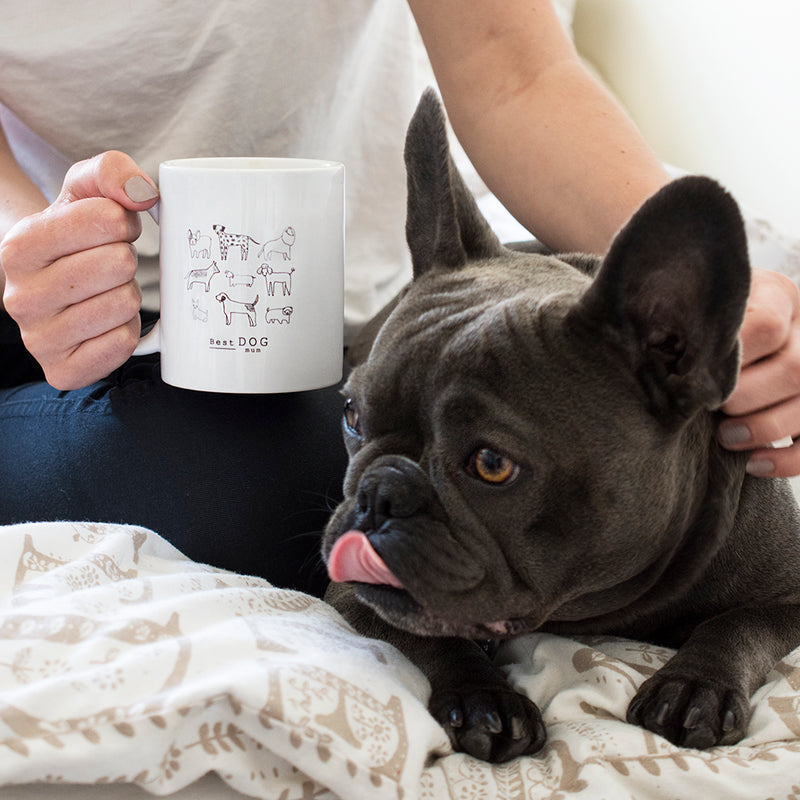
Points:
(244, 482)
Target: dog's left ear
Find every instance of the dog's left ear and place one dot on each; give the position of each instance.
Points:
(444, 227)
(671, 295)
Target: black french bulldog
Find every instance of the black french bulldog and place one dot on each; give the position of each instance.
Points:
(532, 447)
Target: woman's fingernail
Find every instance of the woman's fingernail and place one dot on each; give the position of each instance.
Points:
(731, 434)
(760, 467)
(139, 190)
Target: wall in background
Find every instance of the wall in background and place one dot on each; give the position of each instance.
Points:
(714, 86)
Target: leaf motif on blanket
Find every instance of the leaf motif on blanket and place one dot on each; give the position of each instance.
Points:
(643, 659)
(712, 760)
(26, 726)
(219, 737)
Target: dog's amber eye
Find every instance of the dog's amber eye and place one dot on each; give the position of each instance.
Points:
(351, 419)
(492, 467)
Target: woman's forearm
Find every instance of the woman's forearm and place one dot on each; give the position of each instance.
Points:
(570, 167)
(545, 136)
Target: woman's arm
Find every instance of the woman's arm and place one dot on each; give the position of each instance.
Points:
(70, 269)
(545, 136)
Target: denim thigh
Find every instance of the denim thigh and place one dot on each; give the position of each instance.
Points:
(243, 482)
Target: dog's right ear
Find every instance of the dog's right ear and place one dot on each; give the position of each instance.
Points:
(444, 227)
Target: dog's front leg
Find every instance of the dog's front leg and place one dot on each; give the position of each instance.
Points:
(470, 698)
(701, 697)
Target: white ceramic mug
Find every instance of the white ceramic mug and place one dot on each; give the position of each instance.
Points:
(251, 274)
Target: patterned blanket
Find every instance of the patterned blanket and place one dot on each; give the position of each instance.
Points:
(122, 662)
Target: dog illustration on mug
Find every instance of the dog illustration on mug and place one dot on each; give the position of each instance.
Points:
(275, 280)
(231, 307)
(228, 240)
(280, 316)
(202, 276)
(199, 246)
(282, 246)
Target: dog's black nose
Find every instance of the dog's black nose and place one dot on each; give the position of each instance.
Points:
(393, 487)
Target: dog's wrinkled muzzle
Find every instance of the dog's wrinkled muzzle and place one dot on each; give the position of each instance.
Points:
(394, 532)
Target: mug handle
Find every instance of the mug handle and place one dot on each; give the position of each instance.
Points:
(151, 341)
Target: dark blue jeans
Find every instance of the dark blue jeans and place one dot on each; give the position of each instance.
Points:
(243, 482)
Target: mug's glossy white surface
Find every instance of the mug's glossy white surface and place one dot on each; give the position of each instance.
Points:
(252, 273)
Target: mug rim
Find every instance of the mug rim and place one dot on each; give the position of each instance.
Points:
(250, 164)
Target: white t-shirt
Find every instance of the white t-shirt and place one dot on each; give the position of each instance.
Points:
(336, 80)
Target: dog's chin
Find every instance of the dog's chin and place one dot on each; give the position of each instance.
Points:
(400, 609)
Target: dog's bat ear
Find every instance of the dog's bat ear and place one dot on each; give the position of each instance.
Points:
(672, 292)
(444, 227)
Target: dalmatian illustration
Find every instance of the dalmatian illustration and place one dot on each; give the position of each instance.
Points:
(202, 276)
(279, 315)
(239, 280)
(226, 240)
(199, 245)
(198, 313)
(275, 279)
(282, 244)
(231, 307)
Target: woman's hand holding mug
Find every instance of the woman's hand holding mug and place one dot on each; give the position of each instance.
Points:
(70, 271)
(252, 272)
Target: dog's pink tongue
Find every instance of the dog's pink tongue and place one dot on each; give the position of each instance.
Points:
(354, 559)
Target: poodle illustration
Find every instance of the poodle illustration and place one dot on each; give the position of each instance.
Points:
(239, 280)
(226, 240)
(279, 315)
(282, 245)
(231, 307)
(199, 246)
(275, 279)
(202, 276)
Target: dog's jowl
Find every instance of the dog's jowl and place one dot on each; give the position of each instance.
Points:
(532, 447)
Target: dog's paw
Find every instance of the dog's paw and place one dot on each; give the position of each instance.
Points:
(494, 724)
(689, 712)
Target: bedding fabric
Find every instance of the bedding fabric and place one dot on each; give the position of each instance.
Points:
(121, 661)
